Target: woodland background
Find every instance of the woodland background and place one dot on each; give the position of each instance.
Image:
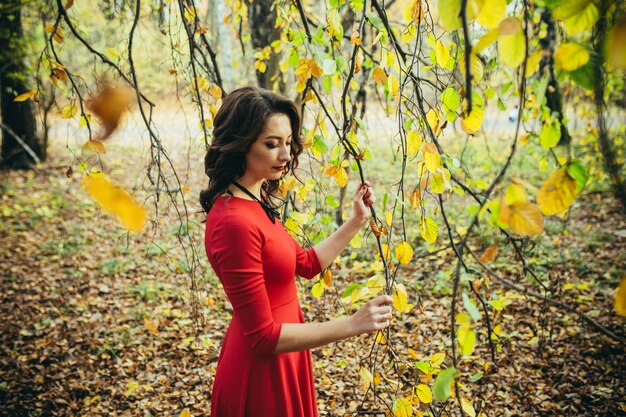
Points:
(491, 130)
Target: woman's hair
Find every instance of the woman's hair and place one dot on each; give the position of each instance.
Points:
(237, 125)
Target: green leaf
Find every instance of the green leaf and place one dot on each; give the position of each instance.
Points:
(550, 135)
(451, 101)
(319, 144)
(471, 307)
(449, 11)
(327, 83)
(441, 388)
(577, 171)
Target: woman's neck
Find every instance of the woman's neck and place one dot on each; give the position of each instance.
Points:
(254, 187)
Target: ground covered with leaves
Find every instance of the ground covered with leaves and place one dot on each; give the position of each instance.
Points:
(95, 322)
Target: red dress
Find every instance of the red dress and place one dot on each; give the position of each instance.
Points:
(256, 261)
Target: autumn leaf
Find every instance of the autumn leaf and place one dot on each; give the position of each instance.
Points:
(115, 200)
(376, 284)
(414, 199)
(402, 408)
(317, 290)
(185, 413)
(327, 278)
(404, 253)
(424, 393)
(524, 218)
(620, 298)
(108, 106)
(94, 146)
(379, 76)
(26, 96)
(570, 56)
(431, 156)
(490, 254)
(413, 12)
(557, 193)
(400, 297)
(511, 42)
(429, 230)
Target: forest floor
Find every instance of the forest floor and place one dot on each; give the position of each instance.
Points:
(97, 323)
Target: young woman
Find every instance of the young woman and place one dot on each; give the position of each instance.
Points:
(265, 368)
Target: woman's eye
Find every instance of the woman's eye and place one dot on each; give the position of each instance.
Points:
(271, 146)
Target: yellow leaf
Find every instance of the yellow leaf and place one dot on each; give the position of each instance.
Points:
(380, 338)
(341, 177)
(532, 65)
(414, 199)
(514, 193)
(424, 393)
(491, 13)
(467, 339)
(437, 359)
(185, 413)
(473, 121)
(437, 184)
(468, 407)
(190, 14)
(331, 170)
(386, 251)
(130, 388)
(317, 290)
(116, 201)
(27, 95)
(449, 13)
(570, 56)
(393, 84)
(215, 91)
(442, 54)
(524, 218)
(413, 142)
(616, 44)
(432, 117)
(557, 193)
(152, 326)
(404, 253)
(366, 378)
(413, 12)
(476, 67)
(429, 229)
(389, 218)
(578, 15)
(620, 298)
(402, 408)
(379, 76)
(376, 284)
(399, 297)
(95, 146)
(327, 278)
(432, 159)
(487, 40)
(511, 42)
(490, 254)
(69, 111)
(112, 53)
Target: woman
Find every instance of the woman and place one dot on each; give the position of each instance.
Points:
(265, 368)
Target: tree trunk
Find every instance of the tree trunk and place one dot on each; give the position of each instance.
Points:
(18, 118)
(262, 17)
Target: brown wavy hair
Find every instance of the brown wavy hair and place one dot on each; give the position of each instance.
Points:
(237, 125)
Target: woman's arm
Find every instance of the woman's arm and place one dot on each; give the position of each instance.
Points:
(328, 249)
(373, 315)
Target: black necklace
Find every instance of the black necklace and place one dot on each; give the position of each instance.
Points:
(271, 212)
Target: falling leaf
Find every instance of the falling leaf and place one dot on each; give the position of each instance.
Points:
(108, 106)
(490, 254)
(404, 253)
(557, 193)
(115, 200)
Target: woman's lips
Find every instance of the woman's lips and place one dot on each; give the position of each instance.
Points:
(279, 168)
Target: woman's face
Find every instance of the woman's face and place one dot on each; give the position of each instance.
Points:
(269, 154)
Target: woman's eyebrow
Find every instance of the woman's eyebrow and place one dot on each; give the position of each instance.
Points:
(276, 137)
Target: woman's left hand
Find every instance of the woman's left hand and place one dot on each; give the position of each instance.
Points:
(363, 199)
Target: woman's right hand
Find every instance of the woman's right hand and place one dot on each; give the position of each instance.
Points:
(373, 315)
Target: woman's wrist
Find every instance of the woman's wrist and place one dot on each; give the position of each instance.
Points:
(360, 221)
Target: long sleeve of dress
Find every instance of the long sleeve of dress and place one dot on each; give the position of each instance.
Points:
(236, 247)
(307, 263)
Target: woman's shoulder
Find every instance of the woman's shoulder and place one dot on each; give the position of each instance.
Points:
(234, 212)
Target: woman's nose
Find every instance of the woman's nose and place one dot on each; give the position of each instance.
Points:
(285, 154)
